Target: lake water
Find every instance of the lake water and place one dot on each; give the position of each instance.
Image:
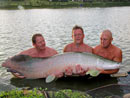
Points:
(18, 26)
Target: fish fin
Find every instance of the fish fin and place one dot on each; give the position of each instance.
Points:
(93, 73)
(50, 78)
(119, 74)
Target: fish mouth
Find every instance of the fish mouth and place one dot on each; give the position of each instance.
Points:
(14, 71)
(3, 64)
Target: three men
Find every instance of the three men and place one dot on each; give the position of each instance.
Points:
(106, 49)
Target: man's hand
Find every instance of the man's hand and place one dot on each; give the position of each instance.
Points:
(112, 71)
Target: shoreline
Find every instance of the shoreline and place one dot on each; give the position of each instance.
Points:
(57, 5)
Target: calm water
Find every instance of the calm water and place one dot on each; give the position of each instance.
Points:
(18, 26)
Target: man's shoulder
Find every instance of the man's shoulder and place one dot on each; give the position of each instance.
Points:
(116, 49)
(28, 51)
(50, 49)
(117, 53)
(87, 46)
(69, 45)
(97, 47)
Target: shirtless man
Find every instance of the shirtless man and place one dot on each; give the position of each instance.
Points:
(107, 50)
(78, 45)
(39, 50)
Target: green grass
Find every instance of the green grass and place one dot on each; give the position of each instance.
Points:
(38, 93)
(21, 94)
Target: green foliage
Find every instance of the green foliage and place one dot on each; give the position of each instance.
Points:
(37, 93)
(93, 73)
(68, 94)
(12, 4)
(21, 94)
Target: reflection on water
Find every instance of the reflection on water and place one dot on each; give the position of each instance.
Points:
(18, 26)
(110, 90)
(75, 83)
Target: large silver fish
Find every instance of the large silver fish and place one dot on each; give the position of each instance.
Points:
(67, 63)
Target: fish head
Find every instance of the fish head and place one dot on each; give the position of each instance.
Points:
(14, 64)
(8, 63)
(107, 64)
(15, 61)
(11, 66)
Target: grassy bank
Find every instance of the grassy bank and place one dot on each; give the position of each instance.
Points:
(38, 93)
(48, 4)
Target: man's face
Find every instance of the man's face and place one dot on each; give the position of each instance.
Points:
(105, 40)
(78, 36)
(40, 43)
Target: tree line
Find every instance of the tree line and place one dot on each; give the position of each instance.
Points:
(71, 0)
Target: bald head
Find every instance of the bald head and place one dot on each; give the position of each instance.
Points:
(106, 38)
(107, 33)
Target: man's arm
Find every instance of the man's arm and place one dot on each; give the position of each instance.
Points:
(95, 50)
(109, 71)
(118, 57)
(67, 48)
